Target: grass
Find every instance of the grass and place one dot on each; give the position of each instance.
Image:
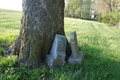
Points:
(101, 46)
(9, 26)
(99, 42)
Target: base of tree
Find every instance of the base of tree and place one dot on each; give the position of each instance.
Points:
(41, 21)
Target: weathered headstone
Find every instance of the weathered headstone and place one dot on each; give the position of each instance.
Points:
(76, 56)
(57, 54)
(74, 45)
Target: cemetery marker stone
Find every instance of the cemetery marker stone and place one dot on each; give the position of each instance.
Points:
(76, 56)
(57, 54)
(74, 44)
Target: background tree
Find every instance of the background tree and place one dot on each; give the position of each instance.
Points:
(41, 21)
(108, 11)
(82, 9)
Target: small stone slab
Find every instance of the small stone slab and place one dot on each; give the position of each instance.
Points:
(74, 44)
(73, 61)
(57, 53)
(54, 62)
(59, 47)
(76, 56)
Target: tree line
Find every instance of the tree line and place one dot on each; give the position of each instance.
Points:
(106, 11)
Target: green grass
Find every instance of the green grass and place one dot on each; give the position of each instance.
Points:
(101, 46)
(99, 42)
(9, 26)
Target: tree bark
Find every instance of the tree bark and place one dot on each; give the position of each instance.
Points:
(41, 21)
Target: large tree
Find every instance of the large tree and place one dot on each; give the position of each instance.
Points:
(41, 21)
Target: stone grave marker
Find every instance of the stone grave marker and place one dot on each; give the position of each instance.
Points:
(57, 54)
(76, 56)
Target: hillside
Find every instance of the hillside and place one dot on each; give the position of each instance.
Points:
(101, 46)
(99, 42)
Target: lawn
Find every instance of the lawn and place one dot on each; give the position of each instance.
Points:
(9, 26)
(99, 42)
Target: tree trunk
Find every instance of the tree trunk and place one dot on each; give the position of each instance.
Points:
(41, 21)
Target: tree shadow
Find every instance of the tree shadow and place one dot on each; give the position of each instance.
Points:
(96, 65)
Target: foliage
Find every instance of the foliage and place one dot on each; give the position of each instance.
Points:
(1, 50)
(10, 71)
(99, 42)
(115, 16)
(82, 9)
(8, 61)
(109, 11)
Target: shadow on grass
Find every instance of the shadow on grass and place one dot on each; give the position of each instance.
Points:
(97, 66)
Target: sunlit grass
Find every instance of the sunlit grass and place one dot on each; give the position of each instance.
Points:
(101, 46)
(8, 35)
(99, 42)
(9, 26)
